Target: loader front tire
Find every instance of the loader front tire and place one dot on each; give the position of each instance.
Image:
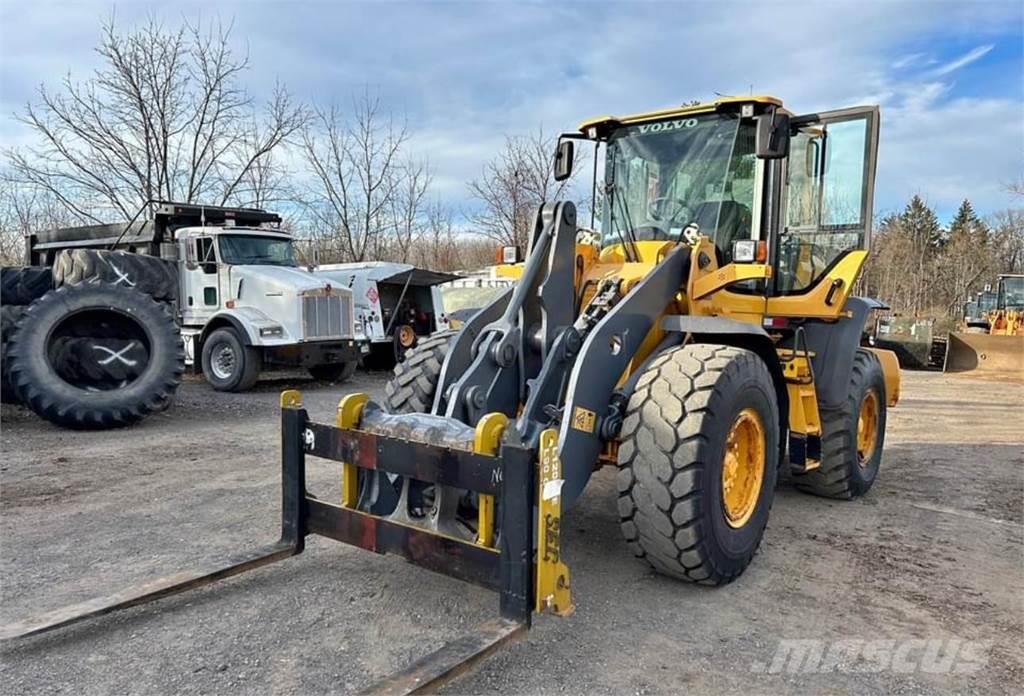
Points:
(852, 436)
(414, 381)
(698, 461)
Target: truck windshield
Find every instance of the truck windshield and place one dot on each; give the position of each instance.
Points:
(242, 249)
(666, 175)
(1011, 292)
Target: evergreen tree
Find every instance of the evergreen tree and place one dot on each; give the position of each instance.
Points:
(968, 226)
(921, 224)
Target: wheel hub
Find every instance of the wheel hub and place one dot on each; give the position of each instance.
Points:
(743, 468)
(406, 336)
(223, 362)
(867, 428)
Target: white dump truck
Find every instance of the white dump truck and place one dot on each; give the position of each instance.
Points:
(241, 299)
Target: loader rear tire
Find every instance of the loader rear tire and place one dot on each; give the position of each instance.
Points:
(698, 461)
(412, 386)
(852, 436)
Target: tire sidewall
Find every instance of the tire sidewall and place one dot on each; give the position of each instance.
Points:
(218, 339)
(872, 379)
(737, 544)
(29, 348)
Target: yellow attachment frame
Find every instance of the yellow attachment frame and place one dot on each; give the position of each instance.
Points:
(487, 440)
(350, 410)
(553, 592)
(291, 398)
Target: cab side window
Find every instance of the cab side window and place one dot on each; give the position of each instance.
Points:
(827, 201)
(205, 255)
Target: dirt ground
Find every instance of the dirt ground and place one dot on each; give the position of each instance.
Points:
(934, 551)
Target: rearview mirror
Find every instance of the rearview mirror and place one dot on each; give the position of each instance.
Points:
(564, 156)
(772, 140)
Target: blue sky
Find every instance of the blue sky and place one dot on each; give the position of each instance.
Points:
(948, 76)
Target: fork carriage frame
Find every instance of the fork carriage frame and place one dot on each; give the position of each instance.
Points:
(508, 475)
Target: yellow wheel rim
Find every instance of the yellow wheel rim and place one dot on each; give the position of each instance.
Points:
(406, 336)
(867, 428)
(743, 468)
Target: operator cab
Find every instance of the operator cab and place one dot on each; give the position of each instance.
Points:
(796, 192)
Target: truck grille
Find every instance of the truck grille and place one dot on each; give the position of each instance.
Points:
(327, 316)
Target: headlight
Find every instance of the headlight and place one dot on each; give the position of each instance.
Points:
(271, 331)
(749, 251)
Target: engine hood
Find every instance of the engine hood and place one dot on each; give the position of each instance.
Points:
(278, 279)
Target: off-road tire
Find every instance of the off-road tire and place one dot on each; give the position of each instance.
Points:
(154, 276)
(334, 372)
(23, 285)
(841, 474)
(249, 361)
(102, 311)
(414, 381)
(671, 454)
(9, 316)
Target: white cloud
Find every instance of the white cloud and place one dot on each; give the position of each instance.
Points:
(963, 61)
(467, 74)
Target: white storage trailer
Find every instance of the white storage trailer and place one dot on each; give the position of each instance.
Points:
(395, 304)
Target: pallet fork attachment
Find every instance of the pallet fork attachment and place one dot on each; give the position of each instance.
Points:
(500, 470)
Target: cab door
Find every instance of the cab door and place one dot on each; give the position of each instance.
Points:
(828, 206)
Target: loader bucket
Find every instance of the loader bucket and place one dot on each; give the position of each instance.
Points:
(984, 353)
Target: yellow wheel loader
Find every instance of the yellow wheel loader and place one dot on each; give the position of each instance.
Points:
(994, 343)
(706, 339)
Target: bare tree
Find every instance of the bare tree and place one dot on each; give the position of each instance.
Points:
(24, 211)
(365, 200)
(163, 118)
(513, 184)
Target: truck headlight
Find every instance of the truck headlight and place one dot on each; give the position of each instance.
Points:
(271, 331)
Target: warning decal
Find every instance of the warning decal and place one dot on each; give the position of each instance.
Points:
(583, 419)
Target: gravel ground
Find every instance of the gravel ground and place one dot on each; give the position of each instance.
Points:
(934, 551)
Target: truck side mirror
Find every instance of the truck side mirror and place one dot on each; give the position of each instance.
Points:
(772, 138)
(564, 160)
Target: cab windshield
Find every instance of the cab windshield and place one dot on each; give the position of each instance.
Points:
(1011, 293)
(243, 249)
(665, 176)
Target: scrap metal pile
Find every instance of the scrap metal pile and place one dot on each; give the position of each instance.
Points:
(91, 342)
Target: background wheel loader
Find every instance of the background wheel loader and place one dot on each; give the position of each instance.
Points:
(708, 339)
(994, 344)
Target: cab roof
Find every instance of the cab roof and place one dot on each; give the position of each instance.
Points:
(708, 107)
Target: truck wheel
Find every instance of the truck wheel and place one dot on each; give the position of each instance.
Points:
(9, 316)
(228, 364)
(412, 386)
(334, 372)
(39, 346)
(22, 285)
(852, 436)
(698, 461)
(154, 276)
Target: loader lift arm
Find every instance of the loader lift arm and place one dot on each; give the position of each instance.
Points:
(509, 475)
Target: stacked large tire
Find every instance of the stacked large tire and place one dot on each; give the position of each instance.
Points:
(101, 349)
(19, 287)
